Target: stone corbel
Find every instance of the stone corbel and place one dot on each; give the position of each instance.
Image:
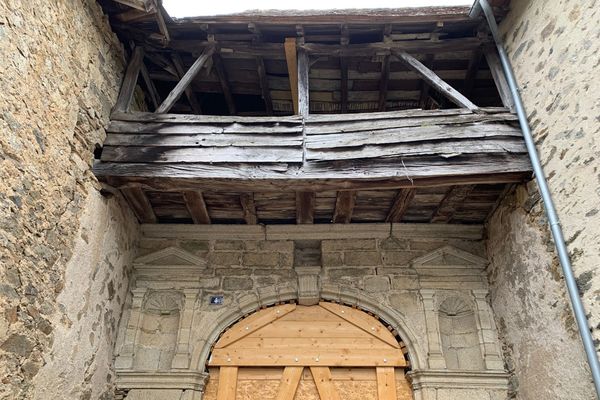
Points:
(125, 358)
(435, 355)
(309, 292)
(488, 337)
(181, 360)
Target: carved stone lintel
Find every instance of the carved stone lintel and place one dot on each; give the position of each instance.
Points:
(309, 292)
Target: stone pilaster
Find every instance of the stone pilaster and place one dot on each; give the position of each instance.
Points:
(125, 358)
(309, 292)
(487, 331)
(435, 356)
(181, 360)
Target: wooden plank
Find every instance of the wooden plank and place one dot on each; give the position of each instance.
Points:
(400, 205)
(129, 81)
(185, 81)
(363, 321)
(316, 343)
(303, 83)
(249, 208)
(435, 81)
(189, 93)
(201, 140)
(140, 204)
(324, 383)
(227, 383)
(429, 58)
(264, 85)
(344, 206)
(289, 383)
(493, 60)
(191, 128)
(291, 58)
(252, 323)
(222, 74)
(453, 200)
(383, 82)
(305, 207)
(386, 383)
(194, 201)
(202, 154)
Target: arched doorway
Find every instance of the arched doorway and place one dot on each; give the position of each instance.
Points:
(322, 352)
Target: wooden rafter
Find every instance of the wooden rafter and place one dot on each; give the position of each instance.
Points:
(434, 80)
(222, 74)
(130, 80)
(140, 204)
(185, 81)
(383, 82)
(305, 207)
(493, 60)
(152, 92)
(401, 203)
(291, 57)
(344, 206)
(424, 96)
(472, 71)
(194, 201)
(264, 85)
(452, 201)
(189, 93)
(249, 208)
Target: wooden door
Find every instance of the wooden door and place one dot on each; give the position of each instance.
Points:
(322, 352)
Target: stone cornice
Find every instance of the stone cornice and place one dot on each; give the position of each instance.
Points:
(439, 379)
(185, 380)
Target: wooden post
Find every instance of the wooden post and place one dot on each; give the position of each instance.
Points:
(400, 205)
(292, 65)
(303, 86)
(130, 81)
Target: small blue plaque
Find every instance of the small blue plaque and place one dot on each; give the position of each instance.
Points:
(216, 300)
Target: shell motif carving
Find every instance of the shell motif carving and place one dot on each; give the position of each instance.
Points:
(454, 306)
(163, 302)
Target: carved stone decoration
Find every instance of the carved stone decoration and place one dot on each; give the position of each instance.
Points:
(435, 357)
(449, 255)
(163, 302)
(171, 256)
(309, 292)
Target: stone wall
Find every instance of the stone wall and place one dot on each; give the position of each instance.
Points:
(553, 46)
(402, 273)
(63, 247)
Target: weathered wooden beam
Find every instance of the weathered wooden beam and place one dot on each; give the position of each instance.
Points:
(185, 81)
(452, 201)
(140, 204)
(130, 81)
(303, 84)
(222, 74)
(493, 60)
(383, 82)
(264, 85)
(249, 208)
(344, 41)
(194, 201)
(305, 207)
(401, 203)
(189, 93)
(472, 71)
(435, 81)
(291, 57)
(344, 206)
(424, 86)
(152, 92)
(162, 26)
(142, 5)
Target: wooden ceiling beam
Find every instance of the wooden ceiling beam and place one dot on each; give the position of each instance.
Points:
(429, 59)
(249, 208)
(452, 201)
(130, 81)
(291, 57)
(344, 41)
(189, 93)
(434, 80)
(401, 203)
(262, 71)
(344, 206)
(139, 203)
(305, 207)
(196, 206)
(222, 74)
(185, 81)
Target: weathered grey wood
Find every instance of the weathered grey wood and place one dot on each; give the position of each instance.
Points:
(153, 93)
(305, 207)
(201, 154)
(166, 128)
(429, 58)
(472, 71)
(303, 84)
(321, 118)
(291, 57)
(493, 60)
(453, 200)
(130, 81)
(189, 94)
(383, 82)
(203, 119)
(162, 26)
(249, 208)
(344, 206)
(202, 140)
(401, 203)
(142, 5)
(140, 204)
(222, 74)
(435, 81)
(445, 149)
(194, 201)
(344, 84)
(185, 81)
(264, 85)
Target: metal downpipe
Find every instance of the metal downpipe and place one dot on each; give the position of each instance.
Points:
(553, 220)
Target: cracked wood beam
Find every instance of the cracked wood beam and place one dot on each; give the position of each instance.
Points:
(194, 201)
(140, 204)
(434, 80)
(189, 93)
(249, 208)
(344, 206)
(291, 58)
(401, 203)
(305, 207)
(493, 60)
(185, 81)
(453, 200)
(222, 74)
(130, 81)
